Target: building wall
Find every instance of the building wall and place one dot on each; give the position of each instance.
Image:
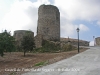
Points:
(49, 22)
(97, 40)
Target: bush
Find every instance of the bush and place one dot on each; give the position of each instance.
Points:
(67, 47)
(48, 46)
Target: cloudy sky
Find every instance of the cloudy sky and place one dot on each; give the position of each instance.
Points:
(23, 14)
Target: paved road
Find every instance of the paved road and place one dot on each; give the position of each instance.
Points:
(85, 63)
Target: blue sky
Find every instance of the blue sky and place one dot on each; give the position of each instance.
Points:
(23, 14)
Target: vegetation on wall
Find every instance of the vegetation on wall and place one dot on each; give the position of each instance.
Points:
(51, 46)
(68, 47)
(48, 46)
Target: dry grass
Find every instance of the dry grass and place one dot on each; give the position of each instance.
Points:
(17, 60)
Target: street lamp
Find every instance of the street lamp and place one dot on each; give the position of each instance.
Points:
(78, 37)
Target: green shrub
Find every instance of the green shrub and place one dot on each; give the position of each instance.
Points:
(48, 46)
(67, 47)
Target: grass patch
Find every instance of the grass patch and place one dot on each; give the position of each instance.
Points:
(41, 63)
(12, 73)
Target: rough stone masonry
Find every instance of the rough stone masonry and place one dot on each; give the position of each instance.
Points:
(49, 22)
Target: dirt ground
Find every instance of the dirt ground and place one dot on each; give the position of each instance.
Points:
(16, 60)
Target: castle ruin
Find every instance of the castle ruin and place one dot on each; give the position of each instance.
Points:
(49, 22)
(18, 35)
(48, 27)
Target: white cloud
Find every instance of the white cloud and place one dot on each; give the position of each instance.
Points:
(68, 30)
(83, 27)
(16, 18)
(43, 2)
(72, 10)
(4, 8)
(79, 9)
(98, 23)
(23, 15)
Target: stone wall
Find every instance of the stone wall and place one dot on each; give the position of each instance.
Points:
(38, 41)
(18, 35)
(97, 40)
(75, 41)
(49, 22)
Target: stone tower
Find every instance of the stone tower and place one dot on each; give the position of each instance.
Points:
(18, 35)
(49, 22)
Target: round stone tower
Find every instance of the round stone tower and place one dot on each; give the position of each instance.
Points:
(18, 35)
(49, 22)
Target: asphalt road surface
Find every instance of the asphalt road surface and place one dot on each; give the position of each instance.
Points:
(85, 63)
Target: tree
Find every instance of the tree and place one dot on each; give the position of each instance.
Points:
(27, 42)
(6, 42)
